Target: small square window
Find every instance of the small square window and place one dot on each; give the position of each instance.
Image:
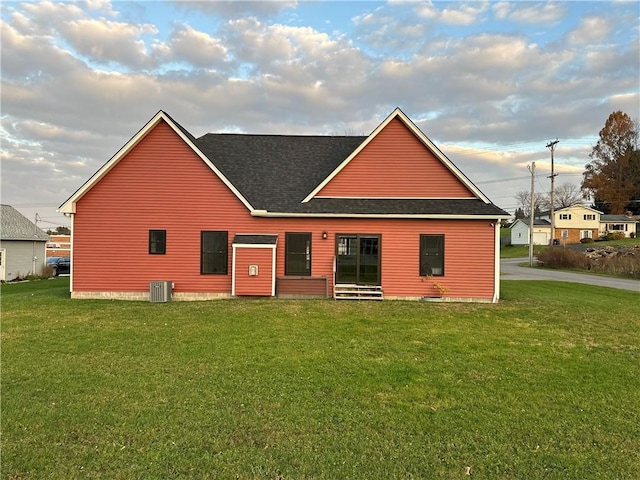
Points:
(157, 242)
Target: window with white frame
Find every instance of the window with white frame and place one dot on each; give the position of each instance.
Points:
(589, 216)
(565, 216)
(586, 234)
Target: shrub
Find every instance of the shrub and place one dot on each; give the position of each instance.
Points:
(558, 257)
(613, 236)
(586, 240)
(626, 265)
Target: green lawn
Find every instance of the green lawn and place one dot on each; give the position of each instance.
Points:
(543, 385)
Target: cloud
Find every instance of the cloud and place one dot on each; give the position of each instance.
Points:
(539, 13)
(591, 29)
(238, 9)
(458, 14)
(78, 80)
(193, 47)
(107, 41)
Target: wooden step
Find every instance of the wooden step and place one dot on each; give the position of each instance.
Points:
(357, 292)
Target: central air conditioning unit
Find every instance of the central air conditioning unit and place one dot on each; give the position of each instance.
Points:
(160, 291)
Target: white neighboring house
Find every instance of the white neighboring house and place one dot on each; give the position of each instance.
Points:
(22, 245)
(618, 223)
(520, 231)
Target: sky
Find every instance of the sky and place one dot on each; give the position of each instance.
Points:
(490, 83)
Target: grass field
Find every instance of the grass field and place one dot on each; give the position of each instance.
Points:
(543, 385)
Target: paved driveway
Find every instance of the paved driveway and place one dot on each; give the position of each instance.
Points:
(510, 269)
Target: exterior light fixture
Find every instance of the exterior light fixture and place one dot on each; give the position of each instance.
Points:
(324, 235)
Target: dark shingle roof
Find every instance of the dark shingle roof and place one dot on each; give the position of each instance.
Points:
(276, 172)
(246, 239)
(541, 222)
(15, 226)
(400, 206)
(616, 218)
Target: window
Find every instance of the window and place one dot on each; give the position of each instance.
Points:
(586, 234)
(297, 254)
(157, 242)
(213, 252)
(432, 255)
(589, 217)
(565, 216)
(616, 227)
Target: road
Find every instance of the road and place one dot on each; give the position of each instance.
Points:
(510, 269)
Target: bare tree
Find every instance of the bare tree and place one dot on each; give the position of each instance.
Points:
(567, 194)
(524, 201)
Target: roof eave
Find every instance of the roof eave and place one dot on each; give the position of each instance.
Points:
(433, 216)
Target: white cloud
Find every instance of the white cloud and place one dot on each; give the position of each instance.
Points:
(591, 29)
(108, 41)
(191, 46)
(466, 14)
(539, 13)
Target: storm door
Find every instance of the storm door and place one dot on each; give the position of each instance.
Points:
(358, 259)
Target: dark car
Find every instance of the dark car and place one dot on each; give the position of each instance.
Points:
(61, 266)
(52, 260)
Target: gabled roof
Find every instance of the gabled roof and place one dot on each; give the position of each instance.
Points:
(69, 205)
(273, 175)
(577, 205)
(15, 226)
(399, 114)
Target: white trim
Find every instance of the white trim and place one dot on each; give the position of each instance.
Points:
(420, 136)
(266, 214)
(394, 198)
(273, 273)
(233, 271)
(252, 245)
(71, 251)
(69, 206)
(496, 266)
(235, 246)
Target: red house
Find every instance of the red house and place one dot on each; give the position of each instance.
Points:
(382, 216)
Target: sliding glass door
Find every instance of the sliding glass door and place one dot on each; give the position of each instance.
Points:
(358, 259)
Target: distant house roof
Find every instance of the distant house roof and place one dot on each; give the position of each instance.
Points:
(537, 222)
(616, 219)
(15, 226)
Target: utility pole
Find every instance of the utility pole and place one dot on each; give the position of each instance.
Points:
(552, 146)
(532, 169)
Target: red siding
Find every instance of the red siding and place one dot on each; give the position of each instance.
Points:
(395, 164)
(260, 285)
(162, 184)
